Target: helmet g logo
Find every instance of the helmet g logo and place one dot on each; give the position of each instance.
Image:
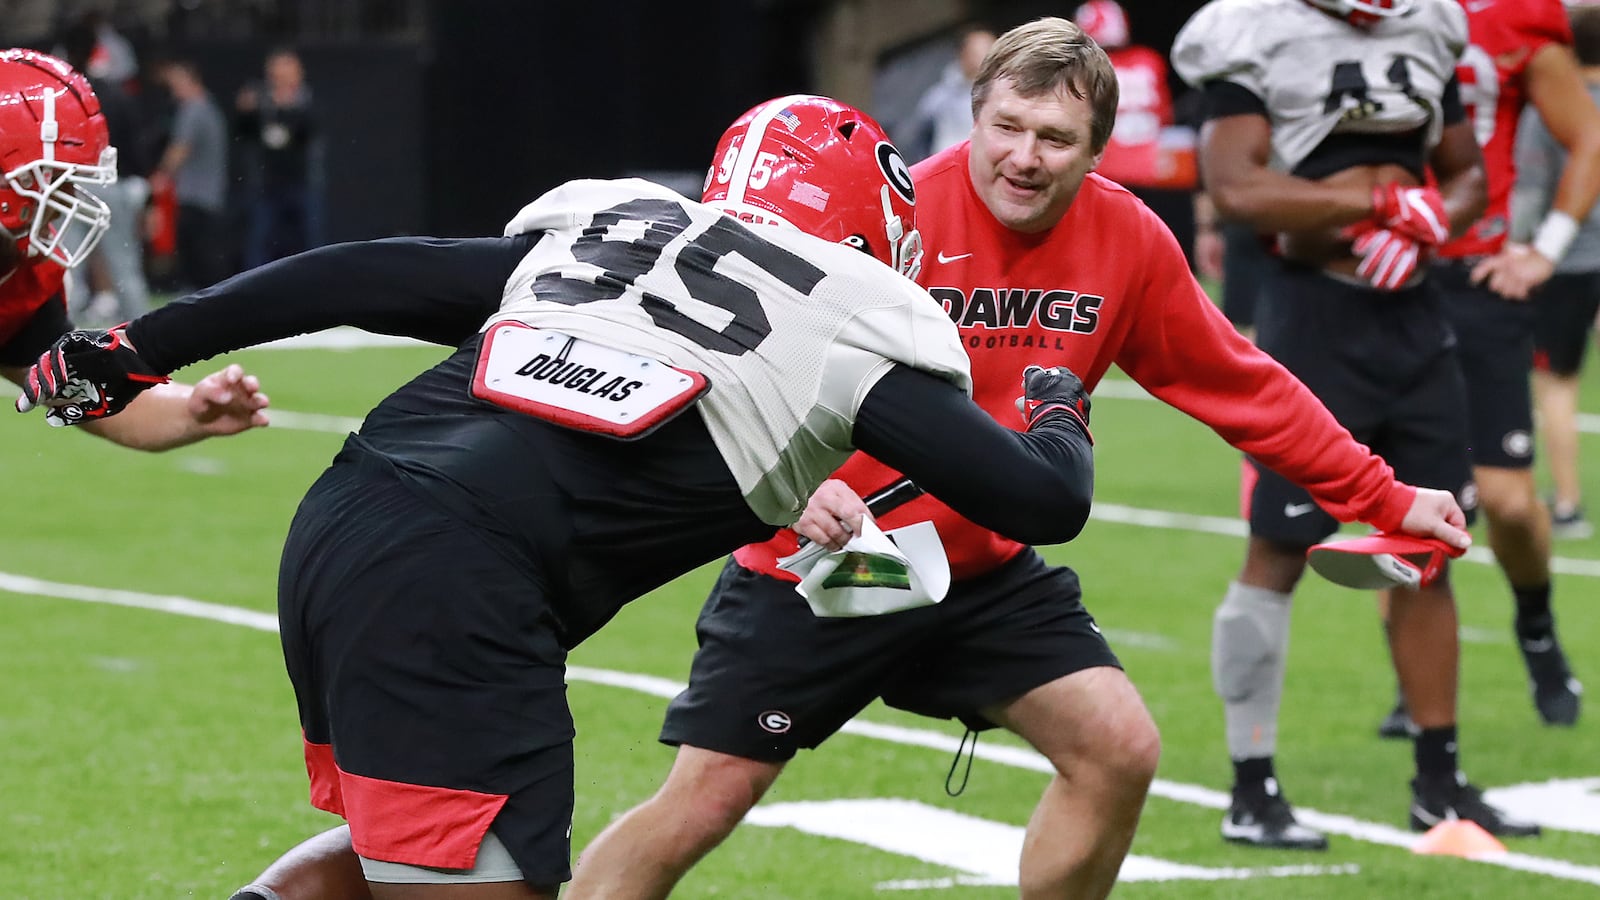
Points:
(896, 172)
(774, 721)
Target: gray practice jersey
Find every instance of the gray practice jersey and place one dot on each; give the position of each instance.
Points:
(1318, 75)
(792, 331)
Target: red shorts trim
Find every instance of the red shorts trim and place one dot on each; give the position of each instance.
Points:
(411, 824)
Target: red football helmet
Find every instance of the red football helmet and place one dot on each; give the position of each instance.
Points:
(53, 143)
(1364, 12)
(1105, 21)
(823, 167)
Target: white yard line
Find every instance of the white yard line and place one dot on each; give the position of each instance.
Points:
(1197, 795)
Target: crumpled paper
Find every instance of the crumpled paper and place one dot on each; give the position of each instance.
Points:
(876, 573)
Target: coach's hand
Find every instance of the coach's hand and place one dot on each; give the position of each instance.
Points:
(833, 515)
(1435, 514)
(1416, 212)
(87, 375)
(1055, 391)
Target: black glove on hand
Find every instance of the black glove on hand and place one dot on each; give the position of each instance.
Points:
(1051, 392)
(86, 375)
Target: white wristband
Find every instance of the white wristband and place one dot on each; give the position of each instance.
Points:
(1555, 235)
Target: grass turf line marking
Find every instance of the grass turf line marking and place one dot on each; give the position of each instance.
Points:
(1016, 757)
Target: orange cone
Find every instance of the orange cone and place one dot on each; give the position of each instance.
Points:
(1458, 837)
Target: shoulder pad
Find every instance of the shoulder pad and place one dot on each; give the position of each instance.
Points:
(1223, 41)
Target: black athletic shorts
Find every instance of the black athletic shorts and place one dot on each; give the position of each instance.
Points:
(430, 683)
(770, 677)
(1384, 364)
(1496, 356)
(1564, 311)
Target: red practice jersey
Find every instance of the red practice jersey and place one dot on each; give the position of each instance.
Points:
(1108, 285)
(1505, 35)
(35, 282)
(1144, 108)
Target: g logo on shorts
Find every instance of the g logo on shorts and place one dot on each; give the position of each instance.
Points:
(1517, 444)
(774, 721)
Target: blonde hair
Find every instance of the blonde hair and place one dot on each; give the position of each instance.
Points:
(1051, 54)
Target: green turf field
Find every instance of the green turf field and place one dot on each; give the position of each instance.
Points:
(149, 746)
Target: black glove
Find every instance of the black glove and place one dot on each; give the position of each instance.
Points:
(87, 375)
(1052, 392)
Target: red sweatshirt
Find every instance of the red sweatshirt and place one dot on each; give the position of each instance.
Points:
(1108, 284)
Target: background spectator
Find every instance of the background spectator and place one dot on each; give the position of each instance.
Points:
(196, 163)
(283, 156)
(113, 59)
(110, 286)
(944, 114)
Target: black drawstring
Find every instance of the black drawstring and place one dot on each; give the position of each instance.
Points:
(971, 752)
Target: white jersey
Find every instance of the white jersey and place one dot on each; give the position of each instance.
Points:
(792, 331)
(1319, 75)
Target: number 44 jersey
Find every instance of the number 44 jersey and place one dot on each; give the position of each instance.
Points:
(1318, 75)
(792, 331)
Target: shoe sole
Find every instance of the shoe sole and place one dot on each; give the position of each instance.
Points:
(1418, 825)
(1397, 733)
(1276, 845)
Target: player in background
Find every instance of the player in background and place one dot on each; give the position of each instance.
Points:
(504, 505)
(1148, 153)
(1323, 119)
(1520, 54)
(1564, 308)
(54, 149)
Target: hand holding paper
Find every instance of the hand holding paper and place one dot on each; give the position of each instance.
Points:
(873, 574)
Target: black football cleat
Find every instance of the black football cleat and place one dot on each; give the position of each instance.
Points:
(1261, 816)
(1435, 800)
(1556, 694)
(1397, 725)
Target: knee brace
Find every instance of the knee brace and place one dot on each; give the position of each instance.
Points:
(1249, 651)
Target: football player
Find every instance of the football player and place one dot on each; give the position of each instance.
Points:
(1323, 121)
(1520, 54)
(53, 149)
(658, 381)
